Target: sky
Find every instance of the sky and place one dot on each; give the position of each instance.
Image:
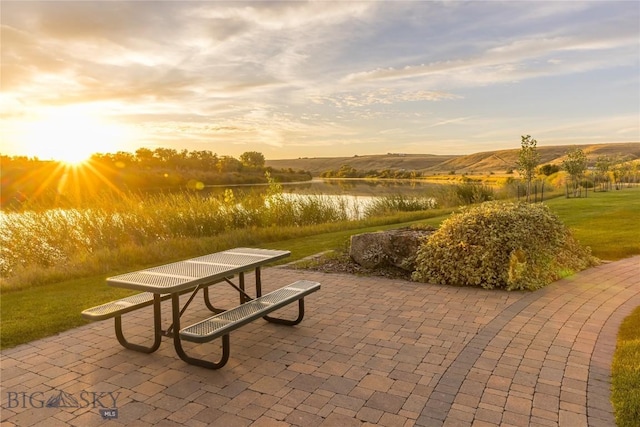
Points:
(316, 79)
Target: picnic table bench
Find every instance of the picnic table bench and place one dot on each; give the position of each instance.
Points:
(170, 281)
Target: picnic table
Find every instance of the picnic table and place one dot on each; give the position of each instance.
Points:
(172, 280)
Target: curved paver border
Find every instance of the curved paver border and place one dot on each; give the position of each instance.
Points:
(584, 397)
(599, 384)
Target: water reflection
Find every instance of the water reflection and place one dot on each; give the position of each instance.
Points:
(348, 186)
(351, 194)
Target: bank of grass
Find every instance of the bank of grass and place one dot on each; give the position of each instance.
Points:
(608, 222)
(33, 312)
(625, 372)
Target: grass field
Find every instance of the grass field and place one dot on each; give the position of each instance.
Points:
(608, 222)
(625, 371)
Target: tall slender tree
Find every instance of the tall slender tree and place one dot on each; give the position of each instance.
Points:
(575, 164)
(603, 166)
(528, 160)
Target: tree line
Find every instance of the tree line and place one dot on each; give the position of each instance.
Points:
(348, 171)
(171, 159)
(54, 183)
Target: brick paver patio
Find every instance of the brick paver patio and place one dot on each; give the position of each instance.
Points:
(370, 351)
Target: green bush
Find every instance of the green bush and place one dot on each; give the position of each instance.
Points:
(501, 245)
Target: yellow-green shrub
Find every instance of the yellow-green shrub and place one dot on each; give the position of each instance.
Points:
(501, 245)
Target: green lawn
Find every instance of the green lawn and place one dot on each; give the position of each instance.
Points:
(59, 304)
(608, 222)
(625, 371)
(32, 314)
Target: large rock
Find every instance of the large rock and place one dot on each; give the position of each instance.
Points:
(396, 248)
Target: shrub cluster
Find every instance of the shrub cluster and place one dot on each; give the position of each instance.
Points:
(513, 246)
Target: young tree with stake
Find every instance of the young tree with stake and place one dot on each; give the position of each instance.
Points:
(528, 160)
(575, 164)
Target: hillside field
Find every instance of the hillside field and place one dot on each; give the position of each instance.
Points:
(497, 162)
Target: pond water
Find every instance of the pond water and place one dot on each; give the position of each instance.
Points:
(341, 187)
(357, 194)
(363, 187)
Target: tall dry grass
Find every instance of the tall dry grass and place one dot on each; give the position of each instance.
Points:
(44, 245)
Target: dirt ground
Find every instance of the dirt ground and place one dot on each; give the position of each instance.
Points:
(340, 262)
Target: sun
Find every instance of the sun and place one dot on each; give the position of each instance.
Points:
(71, 135)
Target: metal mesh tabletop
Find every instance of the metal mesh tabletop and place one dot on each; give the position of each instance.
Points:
(189, 270)
(240, 256)
(205, 269)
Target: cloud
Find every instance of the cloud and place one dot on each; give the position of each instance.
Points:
(309, 74)
(166, 46)
(507, 56)
(381, 96)
(506, 62)
(449, 121)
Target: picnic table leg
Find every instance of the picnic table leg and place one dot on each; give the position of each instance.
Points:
(289, 322)
(177, 342)
(276, 319)
(243, 298)
(258, 283)
(157, 330)
(208, 303)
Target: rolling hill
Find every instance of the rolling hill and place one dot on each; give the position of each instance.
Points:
(489, 161)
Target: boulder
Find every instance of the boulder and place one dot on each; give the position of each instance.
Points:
(397, 248)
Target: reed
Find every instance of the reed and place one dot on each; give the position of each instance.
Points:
(47, 240)
(399, 203)
(40, 246)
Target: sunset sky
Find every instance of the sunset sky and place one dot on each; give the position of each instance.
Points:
(316, 79)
